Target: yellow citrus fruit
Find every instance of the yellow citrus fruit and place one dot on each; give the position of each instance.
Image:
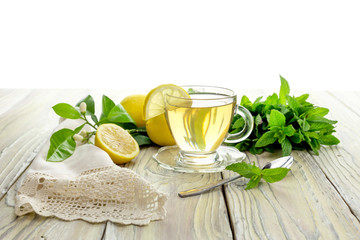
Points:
(158, 131)
(154, 102)
(154, 113)
(117, 142)
(134, 105)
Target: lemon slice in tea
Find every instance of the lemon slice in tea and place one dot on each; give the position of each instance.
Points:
(154, 102)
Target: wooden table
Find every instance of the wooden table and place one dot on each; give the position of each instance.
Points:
(319, 199)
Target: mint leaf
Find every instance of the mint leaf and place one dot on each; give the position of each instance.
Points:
(257, 105)
(272, 100)
(276, 118)
(313, 143)
(304, 125)
(293, 103)
(238, 124)
(328, 140)
(284, 90)
(317, 111)
(320, 119)
(254, 182)
(286, 147)
(315, 126)
(289, 130)
(302, 99)
(245, 102)
(62, 145)
(258, 120)
(66, 111)
(272, 175)
(244, 169)
(312, 135)
(296, 138)
(266, 139)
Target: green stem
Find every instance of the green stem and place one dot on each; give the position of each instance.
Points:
(84, 117)
(90, 134)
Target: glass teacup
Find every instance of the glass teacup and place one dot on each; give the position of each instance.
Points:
(200, 124)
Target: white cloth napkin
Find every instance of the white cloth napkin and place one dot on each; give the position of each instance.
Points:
(88, 186)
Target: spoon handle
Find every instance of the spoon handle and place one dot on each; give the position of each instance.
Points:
(206, 188)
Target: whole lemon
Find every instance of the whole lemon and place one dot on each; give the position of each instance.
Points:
(134, 105)
(158, 131)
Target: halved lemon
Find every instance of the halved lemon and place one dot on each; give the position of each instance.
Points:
(117, 142)
(154, 102)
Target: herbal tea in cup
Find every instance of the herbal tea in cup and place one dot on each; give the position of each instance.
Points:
(200, 124)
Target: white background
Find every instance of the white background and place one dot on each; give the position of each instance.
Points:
(141, 44)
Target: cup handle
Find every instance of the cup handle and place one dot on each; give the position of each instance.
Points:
(246, 131)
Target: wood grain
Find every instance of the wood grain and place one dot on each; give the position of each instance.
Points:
(9, 98)
(341, 164)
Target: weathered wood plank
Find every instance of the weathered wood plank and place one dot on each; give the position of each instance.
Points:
(201, 217)
(349, 100)
(9, 98)
(341, 164)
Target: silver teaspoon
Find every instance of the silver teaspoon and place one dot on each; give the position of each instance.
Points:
(284, 162)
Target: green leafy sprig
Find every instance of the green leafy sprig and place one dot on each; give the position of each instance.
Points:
(255, 174)
(285, 122)
(63, 142)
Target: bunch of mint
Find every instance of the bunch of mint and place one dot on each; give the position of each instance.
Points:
(285, 122)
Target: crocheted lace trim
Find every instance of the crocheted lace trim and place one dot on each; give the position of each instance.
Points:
(110, 193)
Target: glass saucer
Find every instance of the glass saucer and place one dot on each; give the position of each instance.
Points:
(166, 157)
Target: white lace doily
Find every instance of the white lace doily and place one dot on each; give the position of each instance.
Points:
(88, 186)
